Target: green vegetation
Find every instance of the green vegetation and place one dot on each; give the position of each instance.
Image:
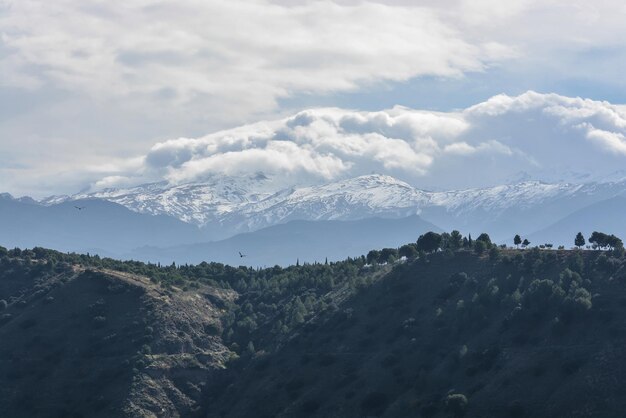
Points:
(444, 326)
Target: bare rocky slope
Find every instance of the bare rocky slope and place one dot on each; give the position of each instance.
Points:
(89, 343)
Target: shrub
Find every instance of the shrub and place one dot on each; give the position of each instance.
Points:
(456, 403)
(542, 293)
(99, 321)
(577, 302)
(480, 247)
(4, 318)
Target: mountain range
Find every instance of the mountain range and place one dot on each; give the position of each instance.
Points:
(159, 221)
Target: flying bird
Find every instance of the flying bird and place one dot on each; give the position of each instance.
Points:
(80, 207)
(242, 255)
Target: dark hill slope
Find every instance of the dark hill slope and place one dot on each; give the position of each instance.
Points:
(87, 343)
(525, 334)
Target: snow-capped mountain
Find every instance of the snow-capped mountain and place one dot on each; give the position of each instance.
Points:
(228, 205)
(196, 203)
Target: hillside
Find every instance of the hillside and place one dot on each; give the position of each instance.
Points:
(79, 342)
(468, 332)
(529, 334)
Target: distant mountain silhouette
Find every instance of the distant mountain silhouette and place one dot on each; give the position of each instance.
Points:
(103, 227)
(306, 241)
(605, 216)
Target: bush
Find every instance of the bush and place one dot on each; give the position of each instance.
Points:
(480, 247)
(99, 321)
(577, 302)
(4, 318)
(542, 293)
(456, 403)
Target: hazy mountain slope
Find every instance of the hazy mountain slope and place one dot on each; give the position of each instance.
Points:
(79, 343)
(450, 329)
(102, 226)
(606, 216)
(307, 241)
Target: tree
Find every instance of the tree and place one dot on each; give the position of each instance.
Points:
(429, 242)
(526, 243)
(445, 240)
(517, 241)
(457, 404)
(485, 238)
(387, 255)
(598, 239)
(456, 240)
(408, 250)
(579, 241)
(614, 243)
(373, 256)
(480, 246)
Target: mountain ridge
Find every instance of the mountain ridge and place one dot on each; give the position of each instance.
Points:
(226, 206)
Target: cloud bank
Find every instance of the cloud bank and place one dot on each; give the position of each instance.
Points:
(234, 57)
(542, 136)
(85, 84)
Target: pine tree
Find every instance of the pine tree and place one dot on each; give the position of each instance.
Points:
(517, 240)
(579, 241)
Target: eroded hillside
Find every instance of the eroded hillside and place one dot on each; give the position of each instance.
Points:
(79, 342)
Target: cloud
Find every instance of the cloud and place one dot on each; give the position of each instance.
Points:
(234, 58)
(112, 78)
(485, 144)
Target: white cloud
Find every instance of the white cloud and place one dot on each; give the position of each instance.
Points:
(89, 82)
(488, 143)
(613, 141)
(233, 58)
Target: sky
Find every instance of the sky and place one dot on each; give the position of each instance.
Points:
(98, 93)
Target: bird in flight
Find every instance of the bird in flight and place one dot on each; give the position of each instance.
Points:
(242, 255)
(79, 207)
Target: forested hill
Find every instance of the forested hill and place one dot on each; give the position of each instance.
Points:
(471, 331)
